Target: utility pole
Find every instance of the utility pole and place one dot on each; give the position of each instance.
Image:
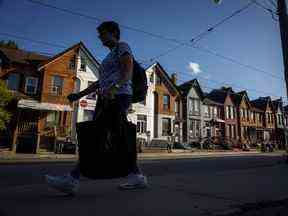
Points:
(283, 23)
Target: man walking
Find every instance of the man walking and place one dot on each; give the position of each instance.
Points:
(113, 88)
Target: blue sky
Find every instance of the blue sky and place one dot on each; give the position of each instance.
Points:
(251, 37)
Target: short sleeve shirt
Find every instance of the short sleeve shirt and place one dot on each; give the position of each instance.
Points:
(110, 69)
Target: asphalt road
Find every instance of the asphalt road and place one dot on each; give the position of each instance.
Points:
(205, 186)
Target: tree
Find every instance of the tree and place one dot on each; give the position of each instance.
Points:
(5, 98)
(9, 44)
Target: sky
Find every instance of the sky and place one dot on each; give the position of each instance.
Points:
(250, 38)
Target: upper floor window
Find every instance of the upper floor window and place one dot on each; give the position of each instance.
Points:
(206, 111)
(152, 78)
(158, 80)
(83, 64)
(57, 85)
(166, 102)
(13, 81)
(31, 85)
(72, 63)
(194, 104)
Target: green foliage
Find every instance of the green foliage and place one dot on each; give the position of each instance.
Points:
(5, 98)
(9, 44)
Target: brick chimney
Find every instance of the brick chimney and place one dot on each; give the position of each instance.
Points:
(174, 78)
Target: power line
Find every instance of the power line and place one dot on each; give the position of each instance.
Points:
(187, 74)
(152, 34)
(31, 40)
(204, 33)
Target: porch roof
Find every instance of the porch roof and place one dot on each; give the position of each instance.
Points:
(36, 105)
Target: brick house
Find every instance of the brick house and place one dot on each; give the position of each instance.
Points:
(229, 129)
(18, 69)
(42, 110)
(166, 107)
(280, 128)
(265, 105)
(246, 118)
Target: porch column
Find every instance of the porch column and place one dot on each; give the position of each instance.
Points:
(15, 133)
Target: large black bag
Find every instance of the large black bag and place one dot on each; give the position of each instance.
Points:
(106, 154)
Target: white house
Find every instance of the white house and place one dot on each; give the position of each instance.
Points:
(87, 72)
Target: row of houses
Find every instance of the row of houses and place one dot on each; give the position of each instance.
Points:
(41, 111)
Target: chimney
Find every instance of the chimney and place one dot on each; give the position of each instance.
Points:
(174, 78)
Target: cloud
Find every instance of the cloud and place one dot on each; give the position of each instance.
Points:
(194, 68)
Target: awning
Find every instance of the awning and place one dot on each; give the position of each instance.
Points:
(36, 105)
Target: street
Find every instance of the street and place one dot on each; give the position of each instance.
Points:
(202, 186)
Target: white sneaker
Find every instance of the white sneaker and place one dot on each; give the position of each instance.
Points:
(66, 183)
(134, 181)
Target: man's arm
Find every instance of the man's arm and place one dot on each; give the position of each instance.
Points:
(92, 88)
(126, 69)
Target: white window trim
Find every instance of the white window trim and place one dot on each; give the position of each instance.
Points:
(26, 84)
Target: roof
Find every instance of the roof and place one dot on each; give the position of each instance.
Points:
(167, 77)
(75, 46)
(22, 56)
(237, 97)
(219, 95)
(277, 103)
(208, 101)
(184, 88)
(260, 103)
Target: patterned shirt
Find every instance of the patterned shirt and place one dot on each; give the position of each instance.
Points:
(110, 69)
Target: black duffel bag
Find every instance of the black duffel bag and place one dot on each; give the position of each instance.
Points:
(106, 153)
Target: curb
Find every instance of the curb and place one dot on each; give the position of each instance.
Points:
(141, 157)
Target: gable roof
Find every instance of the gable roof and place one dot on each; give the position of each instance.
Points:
(277, 104)
(185, 88)
(22, 56)
(75, 46)
(238, 97)
(219, 95)
(261, 103)
(165, 75)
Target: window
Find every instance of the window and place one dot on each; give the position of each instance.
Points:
(57, 85)
(152, 78)
(194, 128)
(13, 82)
(215, 112)
(206, 111)
(158, 80)
(194, 106)
(231, 112)
(166, 126)
(88, 115)
(72, 63)
(166, 102)
(141, 123)
(52, 119)
(31, 85)
(91, 96)
(227, 112)
(176, 108)
(83, 64)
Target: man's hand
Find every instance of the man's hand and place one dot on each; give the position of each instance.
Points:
(110, 92)
(73, 97)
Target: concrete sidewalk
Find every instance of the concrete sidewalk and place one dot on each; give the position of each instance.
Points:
(7, 157)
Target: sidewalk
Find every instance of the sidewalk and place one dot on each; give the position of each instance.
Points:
(7, 157)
